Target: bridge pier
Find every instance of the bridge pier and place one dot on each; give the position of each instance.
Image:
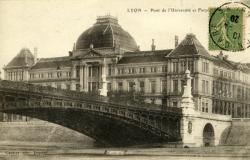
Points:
(199, 128)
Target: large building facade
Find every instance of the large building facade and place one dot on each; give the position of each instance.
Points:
(106, 59)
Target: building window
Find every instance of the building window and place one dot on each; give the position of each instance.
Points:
(77, 71)
(142, 70)
(22, 75)
(131, 86)
(58, 86)
(109, 69)
(50, 75)
(164, 68)
(119, 71)
(164, 102)
(175, 104)
(153, 69)
(32, 75)
(203, 86)
(68, 74)
(94, 86)
(216, 72)
(109, 86)
(95, 71)
(133, 70)
(164, 86)
(78, 87)
(175, 67)
(203, 107)
(120, 86)
(206, 107)
(152, 86)
(90, 71)
(207, 87)
(182, 66)
(152, 100)
(191, 66)
(59, 74)
(68, 86)
(175, 86)
(221, 73)
(205, 67)
(130, 70)
(142, 86)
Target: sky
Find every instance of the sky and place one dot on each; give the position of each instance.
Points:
(53, 26)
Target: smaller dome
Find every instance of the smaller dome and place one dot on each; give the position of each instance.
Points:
(23, 58)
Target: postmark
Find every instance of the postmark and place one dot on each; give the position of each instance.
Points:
(228, 27)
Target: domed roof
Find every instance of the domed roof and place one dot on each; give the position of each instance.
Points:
(106, 32)
(23, 58)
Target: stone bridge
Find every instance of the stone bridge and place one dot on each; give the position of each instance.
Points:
(95, 116)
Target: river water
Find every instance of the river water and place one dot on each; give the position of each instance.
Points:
(52, 142)
(76, 153)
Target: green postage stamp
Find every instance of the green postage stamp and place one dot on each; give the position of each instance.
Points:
(227, 27)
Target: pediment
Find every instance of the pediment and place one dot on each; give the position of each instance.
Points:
(92, 53)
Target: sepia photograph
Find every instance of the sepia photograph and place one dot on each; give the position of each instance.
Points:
(130, 80)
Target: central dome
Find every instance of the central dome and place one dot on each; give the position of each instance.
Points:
(106, 32)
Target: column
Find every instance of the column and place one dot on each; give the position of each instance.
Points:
(188, 111)
(104, 89)
(5, 75)
(137, 85)
(73, 76)
(74, 71)
(63, 85)
(25, 75)
(170, 85)
(85, 78)
(81, 78)
(147, 85)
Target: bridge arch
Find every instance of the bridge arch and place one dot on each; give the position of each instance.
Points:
(208, 135)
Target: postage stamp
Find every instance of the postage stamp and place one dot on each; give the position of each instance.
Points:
(227, 27)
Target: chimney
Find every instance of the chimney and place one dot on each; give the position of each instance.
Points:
(35, 55)
(26, 59)
(176, 41)
(153, 45)
(221, 55)
(91, 46)
(138, 48)
(226, 57)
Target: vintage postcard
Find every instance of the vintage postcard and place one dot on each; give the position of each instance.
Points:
(135, 79)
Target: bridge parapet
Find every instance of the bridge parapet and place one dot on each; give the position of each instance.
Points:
(83, 96)
(21, 86)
